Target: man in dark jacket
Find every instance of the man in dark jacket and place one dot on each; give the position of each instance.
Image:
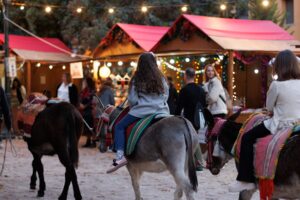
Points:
(189, 96)
(173, 96)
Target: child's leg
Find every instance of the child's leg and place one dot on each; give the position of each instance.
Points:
(120, 135)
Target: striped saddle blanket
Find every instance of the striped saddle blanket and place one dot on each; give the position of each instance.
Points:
(267, 149)
(135, 131)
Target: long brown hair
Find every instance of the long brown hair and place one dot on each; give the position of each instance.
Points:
(147, 77)
(206, 79)
(286, 66)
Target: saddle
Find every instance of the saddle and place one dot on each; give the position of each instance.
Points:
(266, 154)
(29, 109)
(134, 131)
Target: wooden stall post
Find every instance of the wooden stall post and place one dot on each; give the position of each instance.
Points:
(230, 78)
(230, 75)
(28, 75)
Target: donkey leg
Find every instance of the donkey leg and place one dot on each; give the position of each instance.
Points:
(40, 170)
(33, 176)
(176, 165)
(70, 175)
(135, 175)
(178, 193)
(246, 194)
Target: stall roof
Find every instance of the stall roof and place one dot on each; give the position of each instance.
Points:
(146, 37)
(244, 35)
(31, 48)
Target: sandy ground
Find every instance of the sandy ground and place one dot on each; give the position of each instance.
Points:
(96, 184)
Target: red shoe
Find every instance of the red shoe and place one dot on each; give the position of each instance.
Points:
(117, 164)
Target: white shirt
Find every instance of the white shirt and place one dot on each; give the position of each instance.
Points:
(63, 92)
(283, 99)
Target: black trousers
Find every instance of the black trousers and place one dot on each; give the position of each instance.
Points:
(246, 167)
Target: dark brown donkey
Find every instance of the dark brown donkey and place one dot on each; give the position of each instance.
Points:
(56, 130)
(287, 176)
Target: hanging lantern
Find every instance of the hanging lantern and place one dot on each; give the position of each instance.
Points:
(104, 72)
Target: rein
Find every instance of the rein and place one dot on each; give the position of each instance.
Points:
(5, 151)
(211, 137)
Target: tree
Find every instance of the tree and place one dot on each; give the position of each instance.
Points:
(271, 12)
(83, 31)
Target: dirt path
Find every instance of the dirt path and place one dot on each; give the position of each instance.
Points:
(96, 184)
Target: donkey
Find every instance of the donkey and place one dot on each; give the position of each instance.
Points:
(56, 130)
(287, 176)
(168, 144)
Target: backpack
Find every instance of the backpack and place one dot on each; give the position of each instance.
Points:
(199, 120)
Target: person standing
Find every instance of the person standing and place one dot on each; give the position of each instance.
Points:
(189, 96)
(67, 91)
(191, 99)
(173, 96)
(106, 93)
(215, 93)
(4, 111)
(18, 94)
(86, 108)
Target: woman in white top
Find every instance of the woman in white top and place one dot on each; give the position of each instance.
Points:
(215, 93)
(67, 91)
(283, 103)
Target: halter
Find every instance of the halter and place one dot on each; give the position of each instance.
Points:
(211, 137)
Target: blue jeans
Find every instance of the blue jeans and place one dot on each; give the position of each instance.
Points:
(120, 131)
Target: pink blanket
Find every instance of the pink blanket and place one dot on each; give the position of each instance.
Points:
(251, 122)
(267, 151)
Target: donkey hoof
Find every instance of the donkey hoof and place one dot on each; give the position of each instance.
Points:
(32, 187)
(102, 148)
(62, 198)
(41, 194)
(78, 198)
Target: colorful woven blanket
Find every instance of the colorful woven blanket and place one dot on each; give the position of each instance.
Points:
(266, 153)
(137, 132)
(30, 108)
(254, 120)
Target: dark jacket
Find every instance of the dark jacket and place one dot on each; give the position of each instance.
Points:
(189, 96)
(73, 94)
(4, 110)
(172, 100)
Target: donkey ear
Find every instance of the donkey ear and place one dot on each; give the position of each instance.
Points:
(235, 115)
(208, 117)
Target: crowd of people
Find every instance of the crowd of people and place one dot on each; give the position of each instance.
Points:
(151, 92)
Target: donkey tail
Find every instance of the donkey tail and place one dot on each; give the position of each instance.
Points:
(191, 162)
(74, 130)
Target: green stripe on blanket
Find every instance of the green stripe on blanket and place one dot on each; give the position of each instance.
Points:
(137, 132)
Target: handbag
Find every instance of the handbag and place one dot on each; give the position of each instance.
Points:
(199, 120)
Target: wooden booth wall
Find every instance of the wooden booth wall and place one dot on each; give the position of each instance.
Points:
(248, 85)
(117, 49)
(43, 78)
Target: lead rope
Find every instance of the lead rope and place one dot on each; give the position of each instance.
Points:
(9, 139)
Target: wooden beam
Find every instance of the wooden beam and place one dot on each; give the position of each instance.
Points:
(230, 75)
(28, 75)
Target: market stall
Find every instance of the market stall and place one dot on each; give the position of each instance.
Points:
(240, 48)
(40, 61)
(117, 53)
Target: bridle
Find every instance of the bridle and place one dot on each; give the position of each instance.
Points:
(211, 139)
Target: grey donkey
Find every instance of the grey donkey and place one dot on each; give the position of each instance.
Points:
(169, 144)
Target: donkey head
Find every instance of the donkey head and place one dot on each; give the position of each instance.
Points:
(220, 144)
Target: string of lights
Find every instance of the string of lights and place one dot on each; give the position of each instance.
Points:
(144, 8)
